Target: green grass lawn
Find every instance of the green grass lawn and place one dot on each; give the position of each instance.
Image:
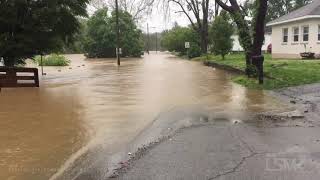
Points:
(286, 72)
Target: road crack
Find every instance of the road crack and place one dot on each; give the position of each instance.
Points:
(234, 169)
(243, 160)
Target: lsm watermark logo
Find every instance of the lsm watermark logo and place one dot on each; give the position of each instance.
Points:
(293, 162)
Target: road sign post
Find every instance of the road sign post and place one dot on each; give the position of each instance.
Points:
(118, 51)
(187, 46)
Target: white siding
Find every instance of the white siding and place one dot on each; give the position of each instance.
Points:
(293, 49)
(236, 43)
(237, 46)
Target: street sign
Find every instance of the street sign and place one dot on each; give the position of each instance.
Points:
(187, 45)
(120, 50)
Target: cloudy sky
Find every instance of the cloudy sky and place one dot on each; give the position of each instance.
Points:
(158, 21)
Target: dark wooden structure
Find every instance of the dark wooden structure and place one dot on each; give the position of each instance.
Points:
(13, 77)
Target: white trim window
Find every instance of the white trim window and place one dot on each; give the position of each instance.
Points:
(285, 35)
(305, 33)
(296, 33)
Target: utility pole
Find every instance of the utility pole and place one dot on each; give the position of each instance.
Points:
(41, 61)
(118, 33)
(156, 38)
(148, 48)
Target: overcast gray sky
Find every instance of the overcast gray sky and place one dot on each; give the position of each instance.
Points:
(158, 21)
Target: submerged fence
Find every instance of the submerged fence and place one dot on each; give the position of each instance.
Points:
(18, 77)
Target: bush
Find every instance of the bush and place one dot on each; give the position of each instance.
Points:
(52, 60)
(220, 34)
(194, 51)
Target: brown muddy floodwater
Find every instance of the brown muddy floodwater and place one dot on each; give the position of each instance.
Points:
(84, 113)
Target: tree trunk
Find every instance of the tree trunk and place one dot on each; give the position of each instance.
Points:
(248, 63)
(252, 44)
(204, 40)
(9, 61)
(205, 26)
(258, 37)
(245, 37)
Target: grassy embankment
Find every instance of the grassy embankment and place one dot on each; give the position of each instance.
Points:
(52, 60)
(284, 72)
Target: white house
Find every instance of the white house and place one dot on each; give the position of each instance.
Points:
(297, 32)
(237, 47)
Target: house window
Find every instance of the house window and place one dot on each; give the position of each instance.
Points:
(285, 35)
(305, 33)
(295, 32)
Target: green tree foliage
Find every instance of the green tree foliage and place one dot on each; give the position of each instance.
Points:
(301, 3)
(198, 12)
(174, 40)
(101, 35)
(100, 38)
(220, 34)
(76, 46)
(276, 8)
(33, 27)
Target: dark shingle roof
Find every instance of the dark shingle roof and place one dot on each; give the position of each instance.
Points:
(311, 9)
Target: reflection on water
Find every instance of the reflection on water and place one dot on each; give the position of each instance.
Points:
(94, 102)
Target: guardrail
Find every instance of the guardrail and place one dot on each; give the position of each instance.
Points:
(18, 77)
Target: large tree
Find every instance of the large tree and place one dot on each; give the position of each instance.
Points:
(198, 13)
(34, 27)
(251, 37)
(101, 35)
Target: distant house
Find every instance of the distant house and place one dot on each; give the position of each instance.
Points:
(238, 48)
(297, 32)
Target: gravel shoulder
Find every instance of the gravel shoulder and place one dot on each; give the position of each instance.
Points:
(305, 99)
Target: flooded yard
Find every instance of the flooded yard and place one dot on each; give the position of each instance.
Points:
(96, 106)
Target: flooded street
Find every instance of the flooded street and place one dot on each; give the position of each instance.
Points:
(83, 115)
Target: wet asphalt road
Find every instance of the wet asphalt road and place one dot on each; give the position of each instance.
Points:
(285, 150)
(86, 118)
(234, 152)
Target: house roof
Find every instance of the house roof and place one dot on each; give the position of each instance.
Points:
(311, 10)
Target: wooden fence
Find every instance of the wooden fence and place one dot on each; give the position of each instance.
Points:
(18, 77)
